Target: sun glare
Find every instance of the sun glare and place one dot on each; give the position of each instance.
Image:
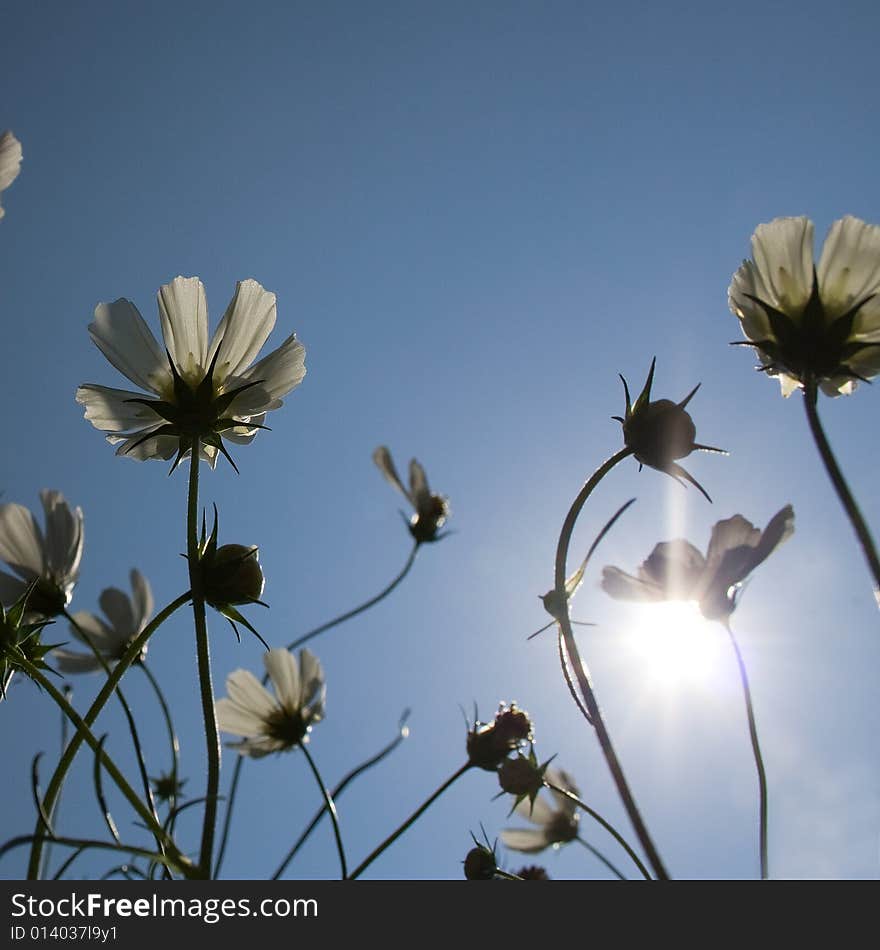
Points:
(675, 644)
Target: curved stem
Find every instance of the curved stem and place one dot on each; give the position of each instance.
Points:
(47, 855)
(132, 652)
(756, 751)
(83, 844)
(331, 808)
(337, 791)
(348, 615)
(598, 854)
(364, 606)
(132, 726)
(203, 651)
(618, 837)
(409, 821)
(83, 730)
(840, 486)
(173, 741)
(581, 674)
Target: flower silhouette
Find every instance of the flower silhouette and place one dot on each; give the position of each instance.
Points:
(555, 826)
(676, 570)
(812, 324)
(204, 392)
(431, 511)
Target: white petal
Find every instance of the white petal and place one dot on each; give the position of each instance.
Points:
(563, 780)
(283, 670)
(258, 747)
(120, 333)
(527, 840)
(143, 599)
(244, 329)
(241, 435)
(382, 458)
(64, 536)
(788, 384)
(10, 159)
(234, 719)
(539, 814)
(622, 586)
(730, 533)
(418, 485)
(783, 254)
(111, 411)
(154, 447)
(87, 627)
(11, 588)
(249, 694)
(117, 609)
(183, 313)
(279, 373)
(747, 283)
(676, 567)
(69, 661)
(849, 272)
(21, 541)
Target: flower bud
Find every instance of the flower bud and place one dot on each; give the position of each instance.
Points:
(480, 864)
(233, 575)
(489, 744)
(521, 777)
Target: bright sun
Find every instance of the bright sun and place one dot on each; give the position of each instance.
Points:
(674, 644)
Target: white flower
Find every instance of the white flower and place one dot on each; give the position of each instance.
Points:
(431, 511)
(676, 570)
(10, 161)
(53, 559)
(206, 392)
(276, 723)
(127, 615)
(812, 325)
(555, 825)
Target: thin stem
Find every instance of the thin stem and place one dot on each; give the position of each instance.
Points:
(840, 486)
(756, 751)
(83, 730)
(364, 606)
(598, 854)
(203, 650)
(618, 837)
(337, 791)
(239, 765)
(409, 821)
(580, 671)
(57, 781)
(173, 741)
(331, 808)
(83, 844)
(47, 856)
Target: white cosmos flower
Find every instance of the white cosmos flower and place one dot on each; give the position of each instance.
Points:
(52, 558)
(276, 723)
(812, 324)
(676, 570)
(10, 161)
(127, 617)
(201, 391)
(431, 511)
(555, 826)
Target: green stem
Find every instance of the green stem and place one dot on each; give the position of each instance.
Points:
(409, 821)
(756, 752)
(47, 856)
(203, 650)
(83, 844)
(581, 675)
(173, 741)
(83, 730)
(331, 809)
(57, 781)
(601, 857)
(860, 527)
(618, 837)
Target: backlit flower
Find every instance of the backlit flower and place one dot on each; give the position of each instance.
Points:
(10, 161)
(126, 618)
(812, 324)
(202, 393)
(52, 559)
(276, 723)
(676, 570)
(555, 826)
(431, 511)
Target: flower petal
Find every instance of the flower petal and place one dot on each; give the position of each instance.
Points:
(120, 333)
(382, 458)
(279, 373)
(783, 254)
(562, 779)
(10, 159)
(117, 609)
(64, 536)
(143, 599)
(527, 840)
(676, 567)
(419, 491)
(283, 670)
(11, 588)
(249, 694)
(21, 541)
(849, 271)
(183, 313)
(244, 329)
(621, 586)
(236, 720)
(111, 410)
(87, 627)
(70, 661)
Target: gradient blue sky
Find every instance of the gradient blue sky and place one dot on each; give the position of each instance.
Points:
(474, 216)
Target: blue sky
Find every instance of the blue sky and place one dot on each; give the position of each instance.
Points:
(474, 217)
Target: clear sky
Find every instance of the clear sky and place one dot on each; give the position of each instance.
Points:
(474, 216)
